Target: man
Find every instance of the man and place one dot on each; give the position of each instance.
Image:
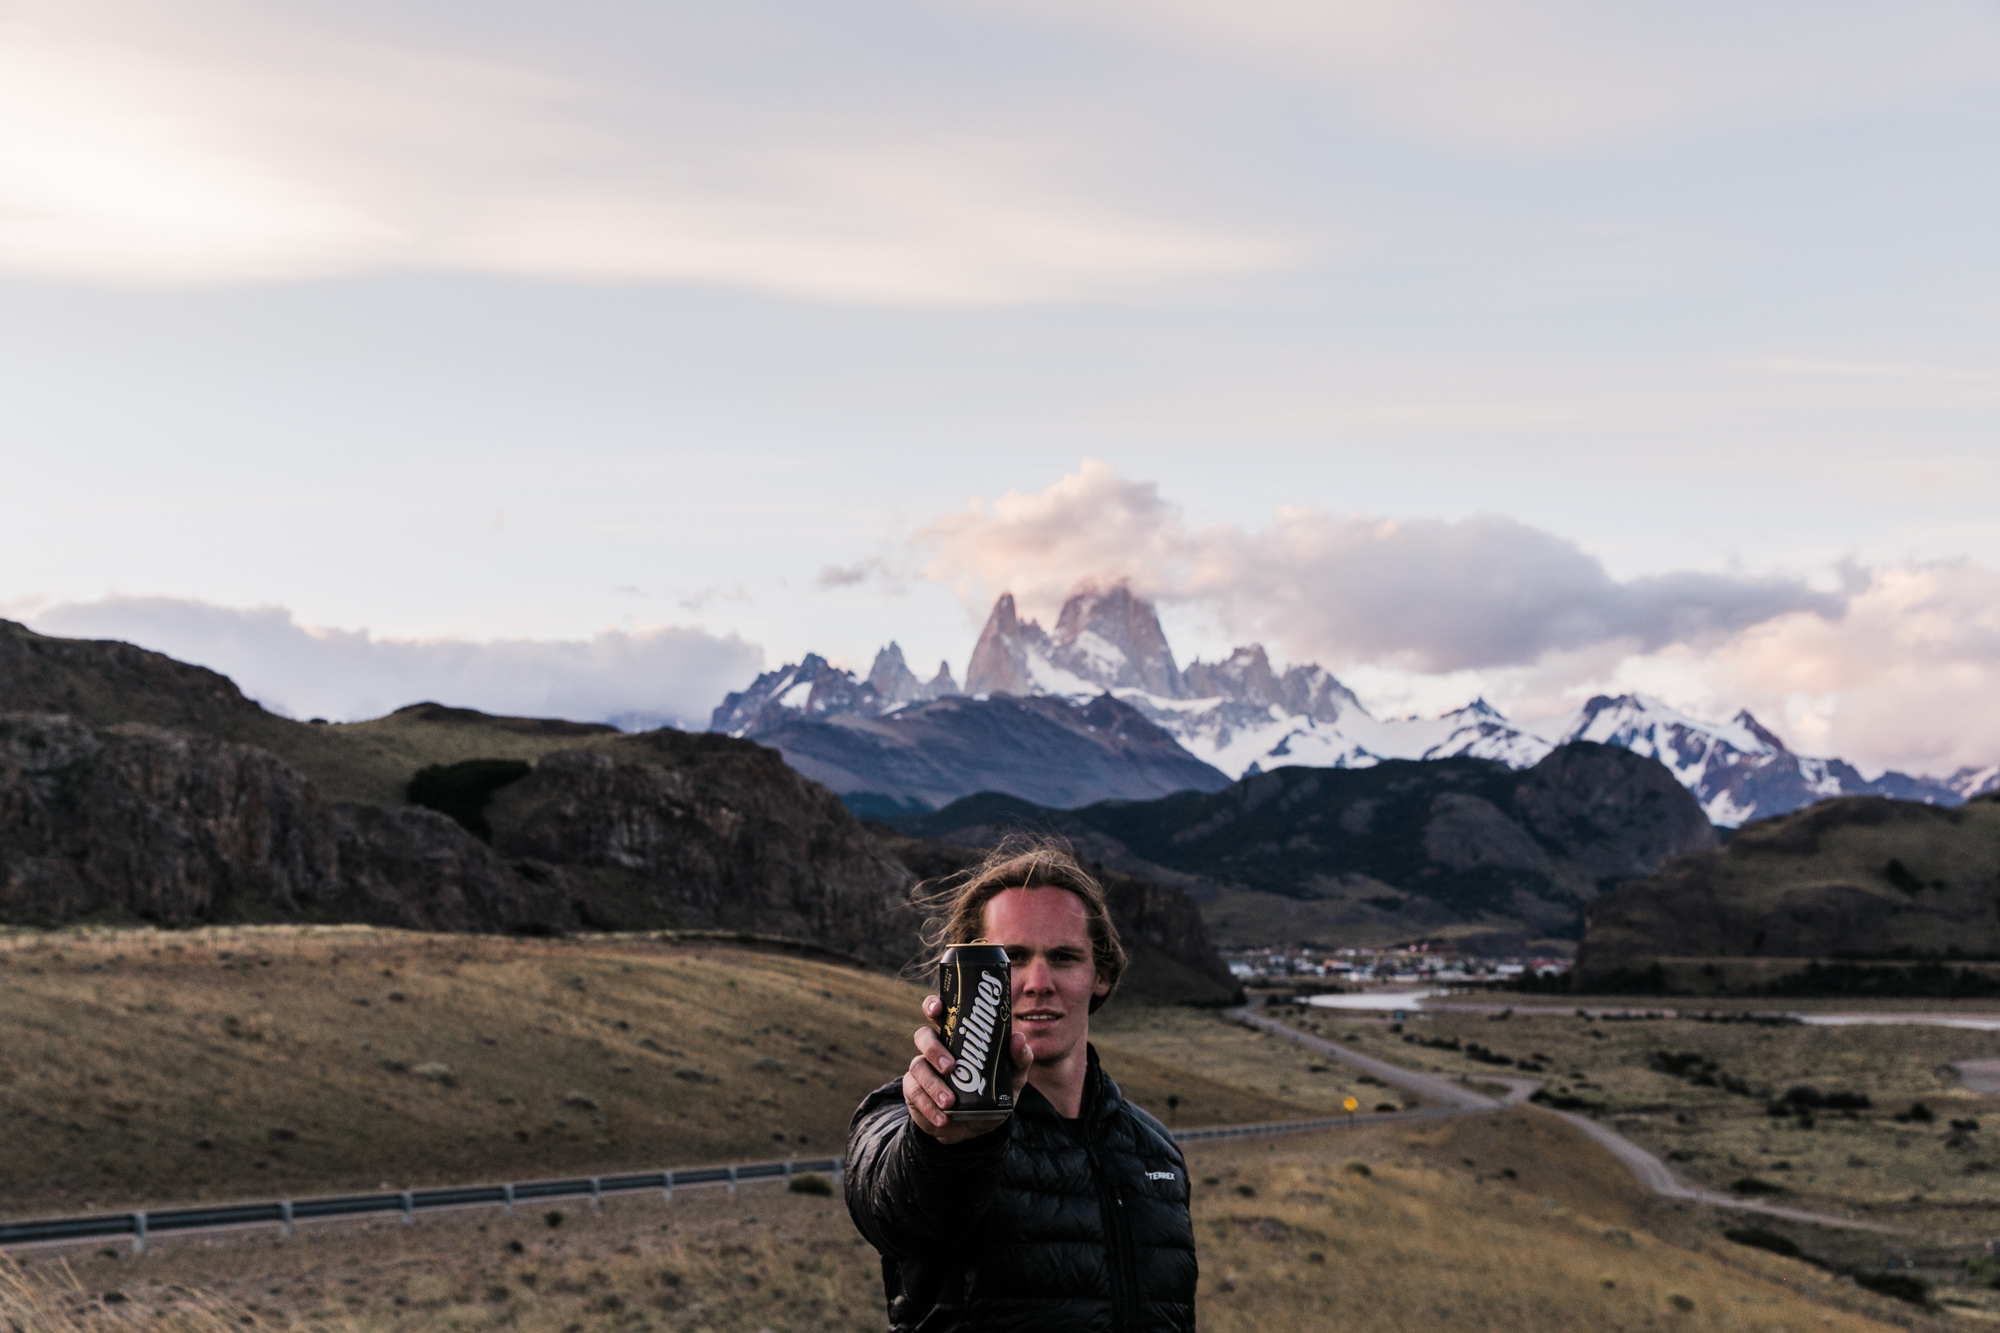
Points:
(1073, 1212)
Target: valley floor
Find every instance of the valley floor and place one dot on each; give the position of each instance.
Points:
(143, 1067)
(1493, 1222)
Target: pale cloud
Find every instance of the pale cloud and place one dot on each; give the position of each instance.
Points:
(640, 678)
(1909, 678)
(1424, 595)
(1563, 75)
(229, 142)
(1895, 665)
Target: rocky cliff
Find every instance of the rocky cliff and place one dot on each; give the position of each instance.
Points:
(682, 831)
(1857, 878)
(167, 826)
(668, 831)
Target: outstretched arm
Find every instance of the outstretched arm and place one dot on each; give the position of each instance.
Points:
(916, 1180)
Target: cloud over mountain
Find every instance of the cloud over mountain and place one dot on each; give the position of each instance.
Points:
(642, 678)
(1425, 594)
(1910, 676)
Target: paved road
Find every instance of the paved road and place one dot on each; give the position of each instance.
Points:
(1655, 1174)
(1424, 1085)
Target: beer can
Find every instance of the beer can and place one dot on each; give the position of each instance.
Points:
(976, 984)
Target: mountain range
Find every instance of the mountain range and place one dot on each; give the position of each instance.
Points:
(1494, 860)
(893, 743)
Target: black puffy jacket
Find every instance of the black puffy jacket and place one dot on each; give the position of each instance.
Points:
(1043, 1224)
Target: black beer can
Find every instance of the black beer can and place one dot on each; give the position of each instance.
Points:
(976, 984)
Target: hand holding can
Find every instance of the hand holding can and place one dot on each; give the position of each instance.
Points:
(970, 1065)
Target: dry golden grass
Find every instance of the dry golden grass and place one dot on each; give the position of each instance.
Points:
(147, 1067)
(1434, 1237)
(1210, 1045)
(1912, 1173)
(762, 1259)
(52, 1298)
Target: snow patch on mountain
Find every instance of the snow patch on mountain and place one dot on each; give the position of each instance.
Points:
(1243, 716)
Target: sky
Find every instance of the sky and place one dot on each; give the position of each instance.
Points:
(590, 359)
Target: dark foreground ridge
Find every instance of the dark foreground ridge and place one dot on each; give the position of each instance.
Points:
(1856, 896)
(1489, 856)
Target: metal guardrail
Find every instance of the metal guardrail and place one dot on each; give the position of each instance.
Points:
(285, 1213)
(1300, 1126)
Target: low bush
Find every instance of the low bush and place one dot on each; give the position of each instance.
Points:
(1897, 1286)
(462, 790)
(1759, 1239)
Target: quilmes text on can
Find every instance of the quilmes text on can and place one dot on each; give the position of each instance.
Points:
(976, 985)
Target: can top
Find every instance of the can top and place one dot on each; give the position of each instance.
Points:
(991, 955)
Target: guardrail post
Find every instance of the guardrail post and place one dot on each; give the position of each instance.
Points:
(507, 1192)
(409, 1208)
(788, 1172)
(597, 1191)
(732, 1180)
(285, 1219)
(138, 1233)
(667, 1186)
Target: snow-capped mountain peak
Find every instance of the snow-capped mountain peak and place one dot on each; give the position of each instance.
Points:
(1242, 716)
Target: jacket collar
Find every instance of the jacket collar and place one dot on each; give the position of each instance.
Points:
(1101, 1098)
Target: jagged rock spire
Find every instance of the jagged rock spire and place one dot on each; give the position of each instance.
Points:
(1000, 659)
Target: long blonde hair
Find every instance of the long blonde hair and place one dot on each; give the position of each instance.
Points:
(957, 906)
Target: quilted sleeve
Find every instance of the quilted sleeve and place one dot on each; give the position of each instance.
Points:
(910, 1195)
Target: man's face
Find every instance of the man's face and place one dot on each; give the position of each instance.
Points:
(1047, 938)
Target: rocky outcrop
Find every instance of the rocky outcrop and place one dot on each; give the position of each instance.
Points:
(663, 830)
(1113, 639)
(1615, 814)
(1247, 677)
(894, 682)
(686, 831)
(1859, 877)
(104, 682)
(999, 662)
(171, 827)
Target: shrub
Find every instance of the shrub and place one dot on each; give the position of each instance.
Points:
(1759, 1239)
(808, 1182)
(1897, 1286)
(1809, 1098)
(462, 790)
(1564, 1101)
